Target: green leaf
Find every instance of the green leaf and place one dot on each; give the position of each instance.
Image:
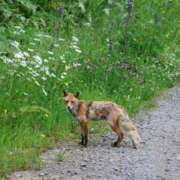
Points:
(31, 109)
(82, 7)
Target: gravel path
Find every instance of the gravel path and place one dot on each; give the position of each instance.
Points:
(157, 158)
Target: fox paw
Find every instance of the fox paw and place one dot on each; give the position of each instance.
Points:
(134, 146)
(82, 144)
(115, 144)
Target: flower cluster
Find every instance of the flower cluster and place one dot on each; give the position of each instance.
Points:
(74, 44)
(37, 67)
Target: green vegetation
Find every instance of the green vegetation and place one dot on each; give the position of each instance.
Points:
(61, 156)
(111, 50)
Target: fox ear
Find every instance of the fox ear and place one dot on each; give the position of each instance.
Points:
(77, 95)
(65, 93)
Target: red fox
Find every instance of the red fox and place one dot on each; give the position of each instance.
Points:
(115, 116)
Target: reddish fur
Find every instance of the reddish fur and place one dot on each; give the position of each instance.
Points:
(112, 112)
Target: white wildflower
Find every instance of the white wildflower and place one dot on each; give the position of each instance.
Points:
(53, 75)
(22, 31)
(38, 59)
(88, 24)
(66, 84)
(34, 74)
(56, 45)
(18, 31)
(46, 70)
(19, 55)
(74, 43)
(26, 54)
(28, 79)
(64, 73)
(67, 67)
(36, 39)
(17, 27)
(76, 64)
(37, 66)
(43, 135)
(7, 60)
(44, 78)
(74, 46)
(44, 91)
(50, 58)
(62, 77)
(50, 52)
(43, 35)
(106, 11)
(45, 60)
(39, 35)
(47, 36)
(78, 50)
(23, 63)
(60, 39)
(11, 153)
(62, 57)
(25, 93)
(138, 97)
(29, 68)
(15, 44)
(37, 83)
(30, 50)
(32, 43)
(74, 38)
(107, 40)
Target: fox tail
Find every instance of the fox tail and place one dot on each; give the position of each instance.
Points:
(131, 130)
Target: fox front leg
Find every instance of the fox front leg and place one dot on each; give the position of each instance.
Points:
(84, 132)
(82, 139)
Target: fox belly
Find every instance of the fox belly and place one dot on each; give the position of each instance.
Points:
(95, 115)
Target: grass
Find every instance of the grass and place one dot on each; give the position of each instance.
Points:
(61, 156)
(43, 54)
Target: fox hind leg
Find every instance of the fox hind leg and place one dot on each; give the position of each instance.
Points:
(120, 137)
(114, 124)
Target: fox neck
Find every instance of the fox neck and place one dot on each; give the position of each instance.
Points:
(74, 111)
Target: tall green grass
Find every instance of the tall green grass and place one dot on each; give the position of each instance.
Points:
(91, 51)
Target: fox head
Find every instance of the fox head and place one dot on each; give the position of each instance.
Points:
(71, 101)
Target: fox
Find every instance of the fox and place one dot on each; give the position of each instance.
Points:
(114, 114)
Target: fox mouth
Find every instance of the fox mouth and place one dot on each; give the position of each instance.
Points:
(69, 109)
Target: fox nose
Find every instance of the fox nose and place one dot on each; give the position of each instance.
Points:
(69, 108)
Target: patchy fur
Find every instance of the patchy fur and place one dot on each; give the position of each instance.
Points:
(115, 116)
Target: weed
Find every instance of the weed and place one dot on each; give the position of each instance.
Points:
(61, 156)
